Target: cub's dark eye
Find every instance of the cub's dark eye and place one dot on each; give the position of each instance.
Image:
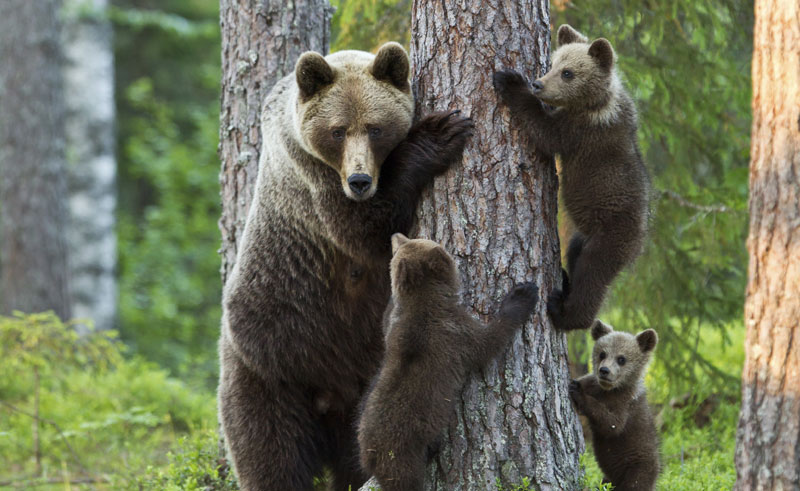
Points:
(338, 134)
(602, 355)
(567, 74)
(621, 360)
(375, 132)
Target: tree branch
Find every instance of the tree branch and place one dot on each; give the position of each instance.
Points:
(688, 204)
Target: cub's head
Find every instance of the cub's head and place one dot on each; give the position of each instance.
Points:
(620, 358)
(420, 263)
(582, 75)
(353, 108)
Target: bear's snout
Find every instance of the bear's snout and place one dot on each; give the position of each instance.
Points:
(359, 183)
(538, 86)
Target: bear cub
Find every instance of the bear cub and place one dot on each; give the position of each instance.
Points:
(614, 400)
(432, 343)
(591, 124)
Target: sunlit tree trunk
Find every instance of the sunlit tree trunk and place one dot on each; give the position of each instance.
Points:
(768, 439)
(261, 41)
(91, 164)
(33, 191)
(496, 213)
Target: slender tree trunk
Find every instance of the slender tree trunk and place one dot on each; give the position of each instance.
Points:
(497, 215)
(91, 164)
(33, 211)
(768, 440)
(261, 41)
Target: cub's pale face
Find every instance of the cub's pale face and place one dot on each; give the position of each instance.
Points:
(574, 79)
(352, 110)
(619, 359)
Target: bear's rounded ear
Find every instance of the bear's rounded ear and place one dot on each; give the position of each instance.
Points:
(602, 51)
(600, 329)
(647, 340)
(312, 73)
(398, 239)
(391, 65)
(566, 35)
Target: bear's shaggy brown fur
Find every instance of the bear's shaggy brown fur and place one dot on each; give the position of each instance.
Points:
(614, 401)
(603, 178)
(301, 334)
(432, 344)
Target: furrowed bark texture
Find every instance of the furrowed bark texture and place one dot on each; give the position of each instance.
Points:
(261, 41)
(33, 211)
(496, 214)
(91, 164)
(768, 439)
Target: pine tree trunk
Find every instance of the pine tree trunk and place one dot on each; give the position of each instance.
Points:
(768, 439)
(91, 164)
(33, 210)
(261, 41)
(496, 214)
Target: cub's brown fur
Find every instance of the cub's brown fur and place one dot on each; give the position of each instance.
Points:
(614, 401)
(432, 344)
(301, 311)
(603, 178)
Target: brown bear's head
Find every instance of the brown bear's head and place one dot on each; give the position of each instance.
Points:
(620, 358)
(421, 263)
(582, 75)
(353, 108)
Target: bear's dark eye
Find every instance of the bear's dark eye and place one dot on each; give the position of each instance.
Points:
(338, 134)
(567, 74)
(620, 360)
(375, 132)
(602, 355)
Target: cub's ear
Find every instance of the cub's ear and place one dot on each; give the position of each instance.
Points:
(566, 35)
(647, 340)
(600, 329)
(398, 239)
(313, 74)
(391, 65)
(602, 51)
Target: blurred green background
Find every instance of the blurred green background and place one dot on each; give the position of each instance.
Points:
(138, 411)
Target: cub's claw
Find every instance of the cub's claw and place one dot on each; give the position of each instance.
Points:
(507, 80)
(521, 301)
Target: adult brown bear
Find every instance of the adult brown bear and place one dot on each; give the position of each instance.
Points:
(340, 172)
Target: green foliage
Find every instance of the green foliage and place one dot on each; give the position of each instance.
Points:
(366, 24)
(167, 86)
(193, 465)
(687, 65)
(92, 408)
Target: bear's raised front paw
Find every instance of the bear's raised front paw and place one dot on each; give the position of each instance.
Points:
(506, 81)
(520, 302)
(555, 305)
(576, 393)
(444, 135)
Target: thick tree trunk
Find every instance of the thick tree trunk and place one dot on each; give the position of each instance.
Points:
(768, 440)
(496, 214)
(261, 41)
(33, 211)
(91, 164)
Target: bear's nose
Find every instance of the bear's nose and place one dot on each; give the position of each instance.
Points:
(604, 371)
(359, 183)
(537, 86)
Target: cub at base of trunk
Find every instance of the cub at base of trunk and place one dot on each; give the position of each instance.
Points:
(614, 400)
(432, 344)
(603, 179)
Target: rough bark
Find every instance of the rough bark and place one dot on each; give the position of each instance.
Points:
(33, 211)
(91, 164)
(261, 41)
(768, 439)
(497, 214)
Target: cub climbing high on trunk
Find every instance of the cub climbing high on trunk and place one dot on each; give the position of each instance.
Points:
(603, 178)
